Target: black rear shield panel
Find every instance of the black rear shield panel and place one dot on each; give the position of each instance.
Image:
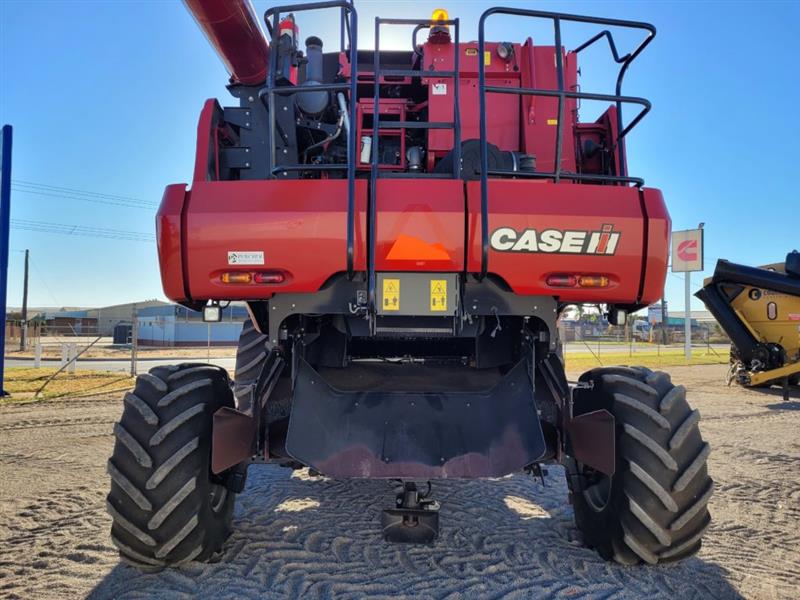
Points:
(415, 435)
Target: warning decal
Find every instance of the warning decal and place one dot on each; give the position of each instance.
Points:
(391, 294)
(438, 295)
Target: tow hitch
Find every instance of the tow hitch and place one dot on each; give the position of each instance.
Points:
(415, 520)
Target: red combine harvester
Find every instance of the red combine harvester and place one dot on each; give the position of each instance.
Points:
(406, 228)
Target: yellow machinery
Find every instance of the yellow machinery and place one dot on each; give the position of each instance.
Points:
(759, 309)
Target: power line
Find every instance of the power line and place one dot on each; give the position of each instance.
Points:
(122, 203)
(81, 230)
(44, 282)
(55, 188)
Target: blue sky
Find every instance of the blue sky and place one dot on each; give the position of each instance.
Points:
(104, 97)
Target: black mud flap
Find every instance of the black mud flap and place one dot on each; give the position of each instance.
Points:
(415, 435)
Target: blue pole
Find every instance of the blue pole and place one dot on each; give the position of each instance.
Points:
(5, 223)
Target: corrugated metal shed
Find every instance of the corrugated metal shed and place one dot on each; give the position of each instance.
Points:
(174, 325)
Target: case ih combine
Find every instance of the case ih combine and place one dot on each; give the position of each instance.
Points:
(406, 228)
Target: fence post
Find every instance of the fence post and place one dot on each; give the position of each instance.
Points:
(64, 357)
(134, 340)
(72, 355)
(37, 355)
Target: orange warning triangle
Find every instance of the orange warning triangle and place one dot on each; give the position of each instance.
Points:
(407, 247)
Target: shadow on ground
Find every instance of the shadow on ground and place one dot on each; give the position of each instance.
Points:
(317, 538)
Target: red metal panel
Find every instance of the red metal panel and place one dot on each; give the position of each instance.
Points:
(420, 225)
(233, 29)
(168, 237)
(540, 116)
(522, 205)
(300, 226)
(502, 110)
(659, 227)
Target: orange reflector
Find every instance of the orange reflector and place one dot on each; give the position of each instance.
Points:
(407, 247)
(268, 277)
(236, 277)
(593, 281)
(562, 280)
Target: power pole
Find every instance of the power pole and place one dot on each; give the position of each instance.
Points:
(687, 318)
(23, 337)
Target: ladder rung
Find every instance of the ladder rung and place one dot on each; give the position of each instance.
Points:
(297, 89)
(414, 125)
(413, 175)
(323, 167)
(413, 73)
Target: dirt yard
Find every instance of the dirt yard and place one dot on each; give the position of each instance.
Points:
(315, 538)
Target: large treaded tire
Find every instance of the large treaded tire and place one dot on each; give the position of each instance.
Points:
(166, 506)
(654, 509)
(250, 357)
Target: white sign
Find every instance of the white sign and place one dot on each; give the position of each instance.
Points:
(439, 89)
(687, 251)
(654, 314)
(245, 257)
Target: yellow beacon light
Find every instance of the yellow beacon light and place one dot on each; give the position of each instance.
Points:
(440, 14)
(439, 31)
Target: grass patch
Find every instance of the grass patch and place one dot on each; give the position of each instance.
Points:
(666, 358)
(22, 384)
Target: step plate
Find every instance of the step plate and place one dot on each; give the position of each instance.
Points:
(415, 435)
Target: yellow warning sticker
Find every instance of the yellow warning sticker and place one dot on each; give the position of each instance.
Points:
(552, 121)
(391, 294)
(487, 58)
(438, 295)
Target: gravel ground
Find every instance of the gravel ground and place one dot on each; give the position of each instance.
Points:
(315, 538)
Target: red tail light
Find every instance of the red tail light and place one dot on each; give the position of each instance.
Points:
(562, 280)
(268, 277)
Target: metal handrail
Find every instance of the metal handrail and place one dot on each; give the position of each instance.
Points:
(561, 93)
(351, 24)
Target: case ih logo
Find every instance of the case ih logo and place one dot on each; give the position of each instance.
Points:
(605, 241)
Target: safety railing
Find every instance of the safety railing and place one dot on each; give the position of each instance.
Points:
(562, 94)
(378, 124)
(349, 30)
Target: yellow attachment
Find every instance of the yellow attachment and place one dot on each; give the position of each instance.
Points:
(759, 377)
(771, 317)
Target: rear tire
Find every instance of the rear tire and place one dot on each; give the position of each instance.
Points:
(250, 356)
(654, 508)
(166, 506)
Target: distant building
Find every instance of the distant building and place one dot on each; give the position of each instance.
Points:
(172, 325)
(109, 317)
(68, 322)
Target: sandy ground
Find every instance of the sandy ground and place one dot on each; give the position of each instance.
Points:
(314, 538)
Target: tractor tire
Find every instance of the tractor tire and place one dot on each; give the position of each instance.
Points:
(167, 508)
(250, 357)
(654, 508)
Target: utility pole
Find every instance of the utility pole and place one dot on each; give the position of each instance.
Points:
(664, 320)
(23, 337)
(687, 317)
